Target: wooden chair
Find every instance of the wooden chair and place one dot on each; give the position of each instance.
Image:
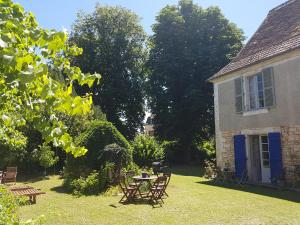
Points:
(156, 191)
(10, 175)
(168, 175)
(128, 191)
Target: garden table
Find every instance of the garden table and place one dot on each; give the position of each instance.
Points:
(26, 191)
(140, 180)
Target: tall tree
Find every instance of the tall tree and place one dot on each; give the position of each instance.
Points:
(189, 45)
(113, 45)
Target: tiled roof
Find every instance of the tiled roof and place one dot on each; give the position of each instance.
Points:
(278, 34)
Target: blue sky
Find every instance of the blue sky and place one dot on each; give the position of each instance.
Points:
(58, 14)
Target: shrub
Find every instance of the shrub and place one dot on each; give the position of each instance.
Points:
(208, 149)
(86, 186)
(146, 150)
(95, 139)
(8, 207)
(94, 183)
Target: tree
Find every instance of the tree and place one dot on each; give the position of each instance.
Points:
(113, 45)
(31, 59)
(188, 46)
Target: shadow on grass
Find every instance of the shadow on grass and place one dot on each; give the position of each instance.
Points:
(31, 179)
(60, 189)
(195, 171)
(140, 201)
(265, 191)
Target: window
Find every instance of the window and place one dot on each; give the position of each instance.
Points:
(255, 92)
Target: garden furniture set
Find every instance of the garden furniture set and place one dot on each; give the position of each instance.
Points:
(131, 187)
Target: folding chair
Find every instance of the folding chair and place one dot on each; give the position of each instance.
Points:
(156, 192)
(129, 192)
(168, 175)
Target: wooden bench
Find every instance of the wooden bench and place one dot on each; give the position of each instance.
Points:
(26, 191)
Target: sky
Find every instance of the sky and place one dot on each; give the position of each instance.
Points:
(60, 14)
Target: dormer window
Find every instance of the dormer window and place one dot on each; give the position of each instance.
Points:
(255, 92)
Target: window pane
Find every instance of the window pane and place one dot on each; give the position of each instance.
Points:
(264, 139)
(266, 163)
(269, 97)
(266, 155)
(252, 89)
(261, 99)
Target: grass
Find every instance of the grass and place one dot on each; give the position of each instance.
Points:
(193, 200)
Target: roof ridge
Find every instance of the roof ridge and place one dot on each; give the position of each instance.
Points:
(282, 5)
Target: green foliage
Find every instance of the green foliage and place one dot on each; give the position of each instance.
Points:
(115, 154)
(113, 44)
(209, 148)
(45, 156)
(95, 139)
(146, 150)
(31, 58)
(171, 150)
(86, 186)
(188, 46)
(94, 183)
(8, 209)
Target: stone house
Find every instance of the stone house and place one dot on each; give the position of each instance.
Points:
(257, 101)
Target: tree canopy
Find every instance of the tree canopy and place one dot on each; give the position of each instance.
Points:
(31, 94)
(113, 45)
(188, 46)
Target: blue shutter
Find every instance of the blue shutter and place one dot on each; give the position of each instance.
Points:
(275, 156)
(240, 155)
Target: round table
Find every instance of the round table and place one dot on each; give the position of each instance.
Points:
(140, 180)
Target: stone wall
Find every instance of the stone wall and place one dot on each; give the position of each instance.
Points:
(225, 155)
(290, 142)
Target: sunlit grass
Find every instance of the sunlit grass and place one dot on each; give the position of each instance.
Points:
(192, 200)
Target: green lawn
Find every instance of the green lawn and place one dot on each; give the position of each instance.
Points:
(193, 200)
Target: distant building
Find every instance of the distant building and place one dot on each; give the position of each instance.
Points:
(149, 126)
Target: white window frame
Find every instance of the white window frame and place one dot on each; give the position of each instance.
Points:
(256, 93)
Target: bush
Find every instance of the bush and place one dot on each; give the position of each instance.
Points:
(8, 207)
(86, 186)
(208, 149)
(146, 150)
(95, 139)
(94, 183)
